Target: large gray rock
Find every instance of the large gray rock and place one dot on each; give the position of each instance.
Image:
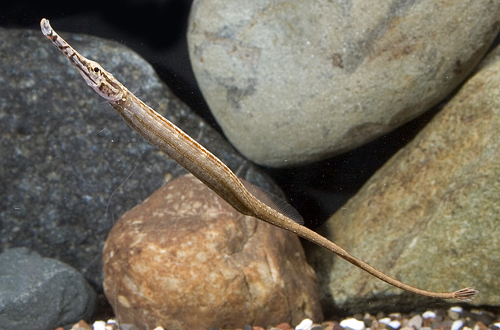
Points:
(292, 82)
(186, 259)
(69, 164)
(41, 293)
(431, 215)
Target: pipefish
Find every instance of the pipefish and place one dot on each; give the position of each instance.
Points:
(171, 140)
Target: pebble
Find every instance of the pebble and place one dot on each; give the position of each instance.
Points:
(454, 312)
(352, 324)
(306, 324)
(385, 320)
(468, 320)
(99, 325)
(429, 315)
(457, 325)
(80, 325)
(317, 327)
(283, 326)
(416, 322)
(479, 326)
(394, 324)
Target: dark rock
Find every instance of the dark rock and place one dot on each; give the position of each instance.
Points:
(70, 166)
(41, 293)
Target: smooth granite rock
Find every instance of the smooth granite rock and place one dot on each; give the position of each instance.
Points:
(431, 215)
(69, 165)
(185, 259)
(41, 293)
(291, 82)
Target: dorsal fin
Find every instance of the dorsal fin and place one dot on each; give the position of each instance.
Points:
(275, 202)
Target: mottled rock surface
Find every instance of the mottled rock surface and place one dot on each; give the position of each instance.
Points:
(291, 82)
(41, 293)
(430, 216)
(185, 259)
(69, 165)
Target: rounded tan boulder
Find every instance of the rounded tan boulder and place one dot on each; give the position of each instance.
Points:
(430, 216)
(185, 259)
(291, 82)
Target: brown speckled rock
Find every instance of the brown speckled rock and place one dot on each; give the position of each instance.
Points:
(431, 215)
(185, 259)
(295, 81)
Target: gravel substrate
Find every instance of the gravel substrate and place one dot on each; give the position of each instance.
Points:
(454, 318)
